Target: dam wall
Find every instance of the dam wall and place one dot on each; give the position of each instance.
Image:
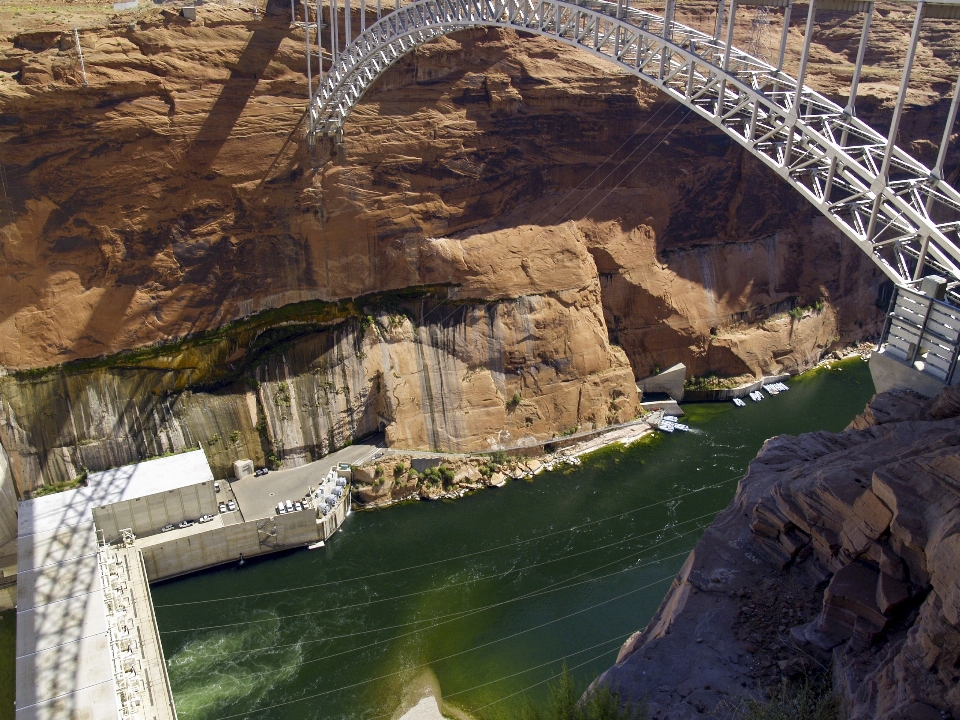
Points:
(148, 514)
(169, 557)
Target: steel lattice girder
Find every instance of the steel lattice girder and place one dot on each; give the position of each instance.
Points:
(832, 158)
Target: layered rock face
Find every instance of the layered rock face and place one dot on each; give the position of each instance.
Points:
(556, 206)
(450, 375)
(174, 192)
(842, 547)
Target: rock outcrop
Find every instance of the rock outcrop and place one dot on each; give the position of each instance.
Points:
(448, 376)
(173, 193)
(172, 199)
(841, 548)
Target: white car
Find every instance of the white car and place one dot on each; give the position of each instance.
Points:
(205, 518)
(297, 506)
(167, 528)
(185, 524)
(216, 486)
(231, 505)
(281, 509)
(223, 507)
(289, 506)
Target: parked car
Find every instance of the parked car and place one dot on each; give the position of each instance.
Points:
(216, 487)
(289, 506)
(281, 509)
(185, 524)
(167, 528)
(223, 507)
(298, 506)
(231, 505)
(205, 518)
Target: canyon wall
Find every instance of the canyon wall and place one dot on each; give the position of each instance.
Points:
(430, 370)
(839, 550)
(173, 197)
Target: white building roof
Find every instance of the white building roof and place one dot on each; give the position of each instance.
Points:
(64, 667)
(73, 507)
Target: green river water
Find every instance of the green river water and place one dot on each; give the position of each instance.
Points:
(489, 593)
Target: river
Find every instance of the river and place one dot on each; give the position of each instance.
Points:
(489, 593)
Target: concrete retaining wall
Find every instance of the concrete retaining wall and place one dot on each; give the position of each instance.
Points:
(178, 556)
(670, 381)
(146, 515)
(8, 501)
(889, 374)
(731, 393)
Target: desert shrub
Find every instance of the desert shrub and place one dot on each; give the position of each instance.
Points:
(565, 704)
(810, 698)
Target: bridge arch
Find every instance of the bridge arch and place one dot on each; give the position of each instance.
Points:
(899, 212)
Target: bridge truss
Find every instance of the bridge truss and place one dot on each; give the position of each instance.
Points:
(901, 213)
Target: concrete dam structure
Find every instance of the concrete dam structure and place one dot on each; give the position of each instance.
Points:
(87, 640)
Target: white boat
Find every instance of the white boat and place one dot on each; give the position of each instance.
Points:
(756, 396)
(681, 427)
(316, 545)
(739, 403)
(670, 418)
(771, 389)
(667, 426)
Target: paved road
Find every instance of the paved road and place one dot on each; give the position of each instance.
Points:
(258, 496)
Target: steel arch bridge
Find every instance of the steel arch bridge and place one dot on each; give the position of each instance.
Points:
(899, 212)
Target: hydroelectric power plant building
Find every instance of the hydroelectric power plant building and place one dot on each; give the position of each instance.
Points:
(87, 641)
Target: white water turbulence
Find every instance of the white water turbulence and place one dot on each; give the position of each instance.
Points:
(213, 672)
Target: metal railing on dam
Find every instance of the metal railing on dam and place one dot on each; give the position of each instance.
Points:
(139, 670)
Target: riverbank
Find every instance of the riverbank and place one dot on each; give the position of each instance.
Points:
(839, 550)
(396, 477)
(491, 592)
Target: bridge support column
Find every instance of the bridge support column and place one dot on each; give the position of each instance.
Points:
(731, 24)
(783, 38)
(667, 35)
(858, 67)
(895, 122)
(851, 109)
(801, 76)
(719, 28)
(937, 172)
(347, 18)
(947, 132)
(334, 30)
(306, 35)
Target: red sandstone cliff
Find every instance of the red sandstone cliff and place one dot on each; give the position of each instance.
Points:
(174, 193)
(838, 547)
